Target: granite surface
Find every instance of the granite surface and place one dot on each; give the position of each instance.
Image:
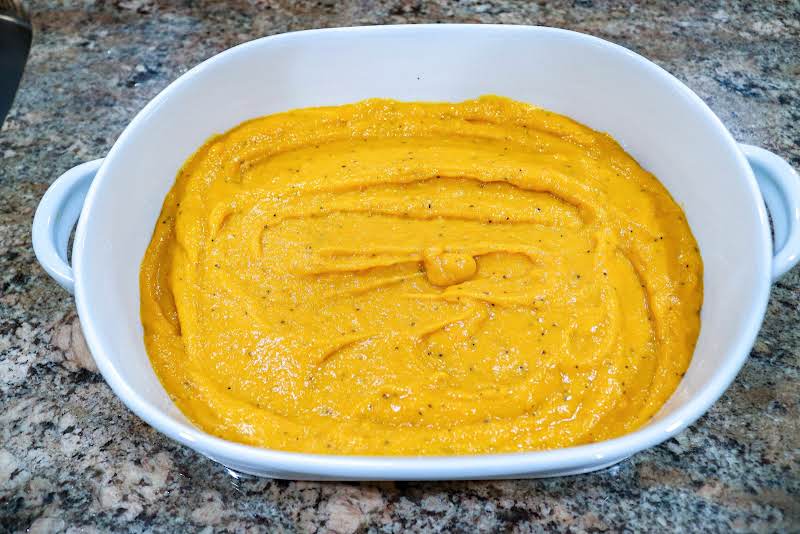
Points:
(73, 458)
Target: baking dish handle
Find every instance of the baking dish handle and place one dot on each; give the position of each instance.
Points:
(55, 218)
(780, 187)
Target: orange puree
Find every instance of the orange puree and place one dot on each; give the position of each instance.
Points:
(419, 279)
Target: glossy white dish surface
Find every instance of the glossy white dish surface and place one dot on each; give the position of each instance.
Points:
(665, 126)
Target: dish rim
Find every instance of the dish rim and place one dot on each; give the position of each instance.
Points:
(423, 467)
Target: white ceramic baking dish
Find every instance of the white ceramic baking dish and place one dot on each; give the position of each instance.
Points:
(662, 123)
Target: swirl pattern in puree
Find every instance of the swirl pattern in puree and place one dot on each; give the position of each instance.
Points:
(419, 278)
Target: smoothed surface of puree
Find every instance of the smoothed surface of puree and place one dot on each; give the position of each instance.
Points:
(419, 279)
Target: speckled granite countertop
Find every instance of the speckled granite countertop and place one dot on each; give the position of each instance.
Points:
(73, 458)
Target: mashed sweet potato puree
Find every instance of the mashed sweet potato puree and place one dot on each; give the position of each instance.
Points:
(419, 278)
